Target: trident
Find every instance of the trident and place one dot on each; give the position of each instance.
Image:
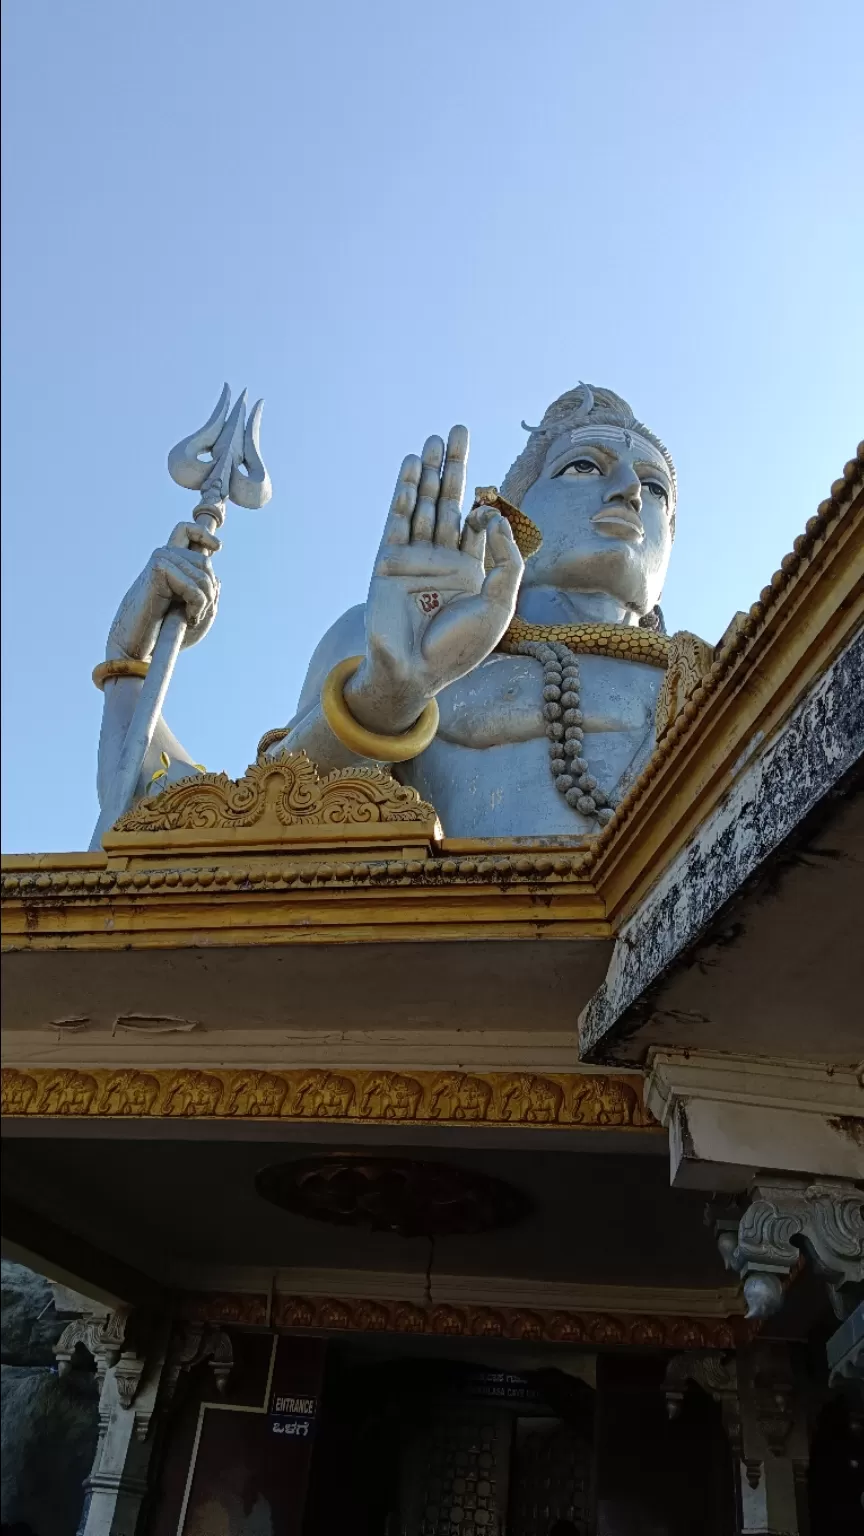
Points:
(233, 445)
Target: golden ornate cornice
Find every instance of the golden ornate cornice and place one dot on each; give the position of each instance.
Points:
(536, 1325)
(583, 1101)
(278, 800)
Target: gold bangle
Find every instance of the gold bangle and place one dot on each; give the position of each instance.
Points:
(381, 749)
(123, 667)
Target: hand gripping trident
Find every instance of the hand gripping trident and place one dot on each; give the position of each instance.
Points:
(232, 444)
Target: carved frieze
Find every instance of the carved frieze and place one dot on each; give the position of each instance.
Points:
(278, 800)
(588, 1101)
(383, 1315)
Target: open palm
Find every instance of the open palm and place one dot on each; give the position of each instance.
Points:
(434, 610)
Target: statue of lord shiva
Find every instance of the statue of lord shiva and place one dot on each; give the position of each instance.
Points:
(510, 665)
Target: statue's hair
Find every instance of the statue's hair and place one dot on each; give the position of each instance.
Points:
(584, 406)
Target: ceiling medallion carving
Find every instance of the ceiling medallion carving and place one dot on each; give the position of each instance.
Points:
(407, 1196)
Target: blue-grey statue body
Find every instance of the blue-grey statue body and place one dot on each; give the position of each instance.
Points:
(600, 489)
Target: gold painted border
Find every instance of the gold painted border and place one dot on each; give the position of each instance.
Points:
(330, 1314)
(579, 1100)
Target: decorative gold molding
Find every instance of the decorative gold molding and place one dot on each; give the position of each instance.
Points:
(583, 1101)
(278, 800)
(331, 1314)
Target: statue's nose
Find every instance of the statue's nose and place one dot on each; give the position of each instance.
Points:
(627, 487)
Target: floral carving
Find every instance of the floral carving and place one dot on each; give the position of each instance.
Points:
(827, 1217)
(689, 659)
(288, 789)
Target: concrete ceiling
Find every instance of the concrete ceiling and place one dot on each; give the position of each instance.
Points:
(175, 1210)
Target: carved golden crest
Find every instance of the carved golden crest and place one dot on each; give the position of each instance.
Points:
(689, 660)
(285, 790)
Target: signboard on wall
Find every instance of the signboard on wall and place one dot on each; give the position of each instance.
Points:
(292, 1415)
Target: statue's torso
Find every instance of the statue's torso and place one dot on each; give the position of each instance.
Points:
(487, 772)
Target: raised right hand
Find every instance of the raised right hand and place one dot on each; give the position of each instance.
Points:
(180, 572)
(434, 611)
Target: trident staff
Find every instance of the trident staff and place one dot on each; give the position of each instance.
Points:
(233, 446)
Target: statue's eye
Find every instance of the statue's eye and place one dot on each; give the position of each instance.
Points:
(657, 489)
(581, 467)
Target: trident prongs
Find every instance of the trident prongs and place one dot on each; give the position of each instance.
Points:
(233, 444)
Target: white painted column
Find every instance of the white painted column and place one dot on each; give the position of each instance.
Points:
(774, 1447)
(118, 1482)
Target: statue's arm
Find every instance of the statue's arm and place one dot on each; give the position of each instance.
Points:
(179, 572)
(309, 731)
(121, 696)
(441, 596)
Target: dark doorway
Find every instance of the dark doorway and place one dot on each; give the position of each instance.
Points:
(423, 1447)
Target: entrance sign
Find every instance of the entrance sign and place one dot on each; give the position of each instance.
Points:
(294, 1416)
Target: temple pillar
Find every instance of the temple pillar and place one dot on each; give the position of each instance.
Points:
(774, 1445)
(129, 1372)
(763, 1415)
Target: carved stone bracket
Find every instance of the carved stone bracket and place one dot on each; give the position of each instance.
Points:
(193, 1343)
(716, 1374)
(826, 1218)
(102, 1336)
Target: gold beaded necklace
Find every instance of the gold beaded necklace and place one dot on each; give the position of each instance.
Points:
(623, 642)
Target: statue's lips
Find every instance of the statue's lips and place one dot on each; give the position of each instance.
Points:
(619, 523)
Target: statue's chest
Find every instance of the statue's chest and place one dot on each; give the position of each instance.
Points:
(502, 700)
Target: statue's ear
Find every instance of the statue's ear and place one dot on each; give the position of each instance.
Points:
(654, 620)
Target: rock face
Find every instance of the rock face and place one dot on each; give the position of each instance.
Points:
(48, 1428)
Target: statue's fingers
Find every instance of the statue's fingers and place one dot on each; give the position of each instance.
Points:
(473, 540)
(502, 580)
(397, 529)
(423, 521)
(452, 489)
(188, 592)
(187, 535)
(185, 567)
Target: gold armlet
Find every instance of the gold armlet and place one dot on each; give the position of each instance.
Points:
(381, 749)
(123, 667)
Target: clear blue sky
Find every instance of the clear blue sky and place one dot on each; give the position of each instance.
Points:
(386, 218)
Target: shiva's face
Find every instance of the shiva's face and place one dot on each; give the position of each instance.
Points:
(603, 502)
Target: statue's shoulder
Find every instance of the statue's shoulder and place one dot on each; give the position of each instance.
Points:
(347, 637)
